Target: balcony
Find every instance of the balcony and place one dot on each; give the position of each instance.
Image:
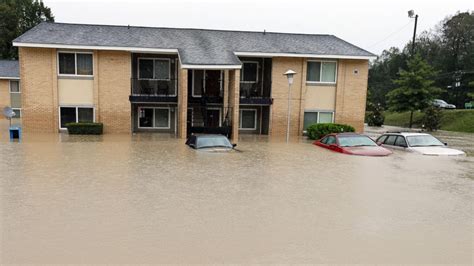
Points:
(253, 93)
(153, 90)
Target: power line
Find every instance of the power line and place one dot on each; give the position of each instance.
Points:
(390, 35)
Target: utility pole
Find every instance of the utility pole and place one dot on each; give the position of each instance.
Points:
(411, 14)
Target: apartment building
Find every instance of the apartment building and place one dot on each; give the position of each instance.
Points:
(10, 91)
(184, 81)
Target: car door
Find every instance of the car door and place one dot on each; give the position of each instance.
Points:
(400, 143)
(390, 141)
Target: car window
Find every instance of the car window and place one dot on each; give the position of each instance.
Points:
(381, 139)
(331, 140)
(209, 142)
(390, 140)
(324, 140)
(401, 141)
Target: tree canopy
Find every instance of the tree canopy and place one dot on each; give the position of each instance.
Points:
(16, 17)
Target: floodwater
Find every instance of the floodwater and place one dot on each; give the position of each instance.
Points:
(149, 199)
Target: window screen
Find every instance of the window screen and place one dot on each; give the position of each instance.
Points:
(314, 71)
(162, 118)
(84, 64)
(309, 119)
(67, 63)
(248, 119)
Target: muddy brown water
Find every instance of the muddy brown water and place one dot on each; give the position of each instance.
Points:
(150, 199)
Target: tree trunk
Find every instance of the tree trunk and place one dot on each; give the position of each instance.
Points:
(411, 119)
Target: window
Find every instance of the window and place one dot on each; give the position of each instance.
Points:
(390, 140)
(331, 140)
(14, 86)
(381, 139)
(78, 64)
(74, 114)
(248, 119)
(17, 112)
(249, 72)
(154, 68)
(207, 81)
(317, 117)
(321, 71)
(158, 118)
(401, 142)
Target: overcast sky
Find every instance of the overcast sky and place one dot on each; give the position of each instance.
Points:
(372, 25)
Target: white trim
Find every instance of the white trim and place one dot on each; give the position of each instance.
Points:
(154, 59)
(255, 119)
(258, 54)
(75, 63)
(153, 119)
(14, 78)
(10, 86)
(77, 117)
(15, 113)
(96, 47)
(243, 72)
(321, 72)
(210, 67)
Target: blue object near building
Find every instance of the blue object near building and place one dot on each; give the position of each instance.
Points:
(15, 133)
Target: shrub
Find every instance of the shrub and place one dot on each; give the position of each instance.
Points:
(432, 118)
(317, 131)
(375, 117)
(83, 128)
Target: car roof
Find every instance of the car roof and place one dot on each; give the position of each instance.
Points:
(210, 136)
(407, 134)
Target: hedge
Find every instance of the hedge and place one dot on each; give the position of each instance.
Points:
(317, 131)
(83, 128)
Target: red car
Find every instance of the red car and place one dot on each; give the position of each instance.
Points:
(351, 143)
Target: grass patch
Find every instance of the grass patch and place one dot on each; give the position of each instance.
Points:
(451, 120)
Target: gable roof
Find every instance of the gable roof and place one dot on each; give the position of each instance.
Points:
(195, 47)
(9, 69)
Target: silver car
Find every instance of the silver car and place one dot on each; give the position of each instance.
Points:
(443, 104)
(421, 143)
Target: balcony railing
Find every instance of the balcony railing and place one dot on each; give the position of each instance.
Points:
(154, 87)
(253, 93)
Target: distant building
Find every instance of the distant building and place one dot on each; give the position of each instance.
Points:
(10, 91)
(184, 81)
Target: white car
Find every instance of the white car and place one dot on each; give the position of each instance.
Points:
(443, 104)
(421, 143)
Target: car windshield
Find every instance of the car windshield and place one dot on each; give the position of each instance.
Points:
(210, 142)
(423, 141)
(355, 141)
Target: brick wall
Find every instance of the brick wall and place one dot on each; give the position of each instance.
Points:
(4, 95)
(39, 103)
(351, 93)
(114, 74)
(280, 96)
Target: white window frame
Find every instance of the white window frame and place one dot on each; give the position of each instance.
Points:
(321, 72)
(204, 85)
(152, 107)
(77, 111)
(10, 86)
(255, 119)
(317, 114)
(14, 109)
(75, 64)
(154, 59)
(243, 71)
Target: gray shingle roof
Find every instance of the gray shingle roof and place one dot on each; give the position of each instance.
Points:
(9, 69)
(195, 46)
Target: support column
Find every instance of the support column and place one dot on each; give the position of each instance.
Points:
(234, 100)
(182, 102)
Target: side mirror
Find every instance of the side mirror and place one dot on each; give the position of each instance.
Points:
(379, 143)
(234, 145)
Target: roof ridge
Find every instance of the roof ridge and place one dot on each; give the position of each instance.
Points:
(201, 29)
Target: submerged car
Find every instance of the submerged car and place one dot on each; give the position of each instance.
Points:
(210, 142)
(421, 143)
(443, 104)
(352, 143)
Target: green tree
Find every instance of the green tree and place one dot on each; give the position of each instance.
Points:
(16, 17)
(415, 89)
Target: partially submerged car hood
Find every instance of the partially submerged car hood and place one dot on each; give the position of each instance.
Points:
(436, 150)
(367, 151)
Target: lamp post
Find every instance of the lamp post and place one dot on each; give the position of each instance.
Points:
(411, 14)
(289, 75)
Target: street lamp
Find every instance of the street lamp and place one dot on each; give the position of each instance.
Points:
(411, 14)
(289, 75)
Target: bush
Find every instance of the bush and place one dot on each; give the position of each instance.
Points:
(432, 118)
(375, 117)
(82, 128)
(317, 131)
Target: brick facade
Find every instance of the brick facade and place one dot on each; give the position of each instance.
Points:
(114, 81)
